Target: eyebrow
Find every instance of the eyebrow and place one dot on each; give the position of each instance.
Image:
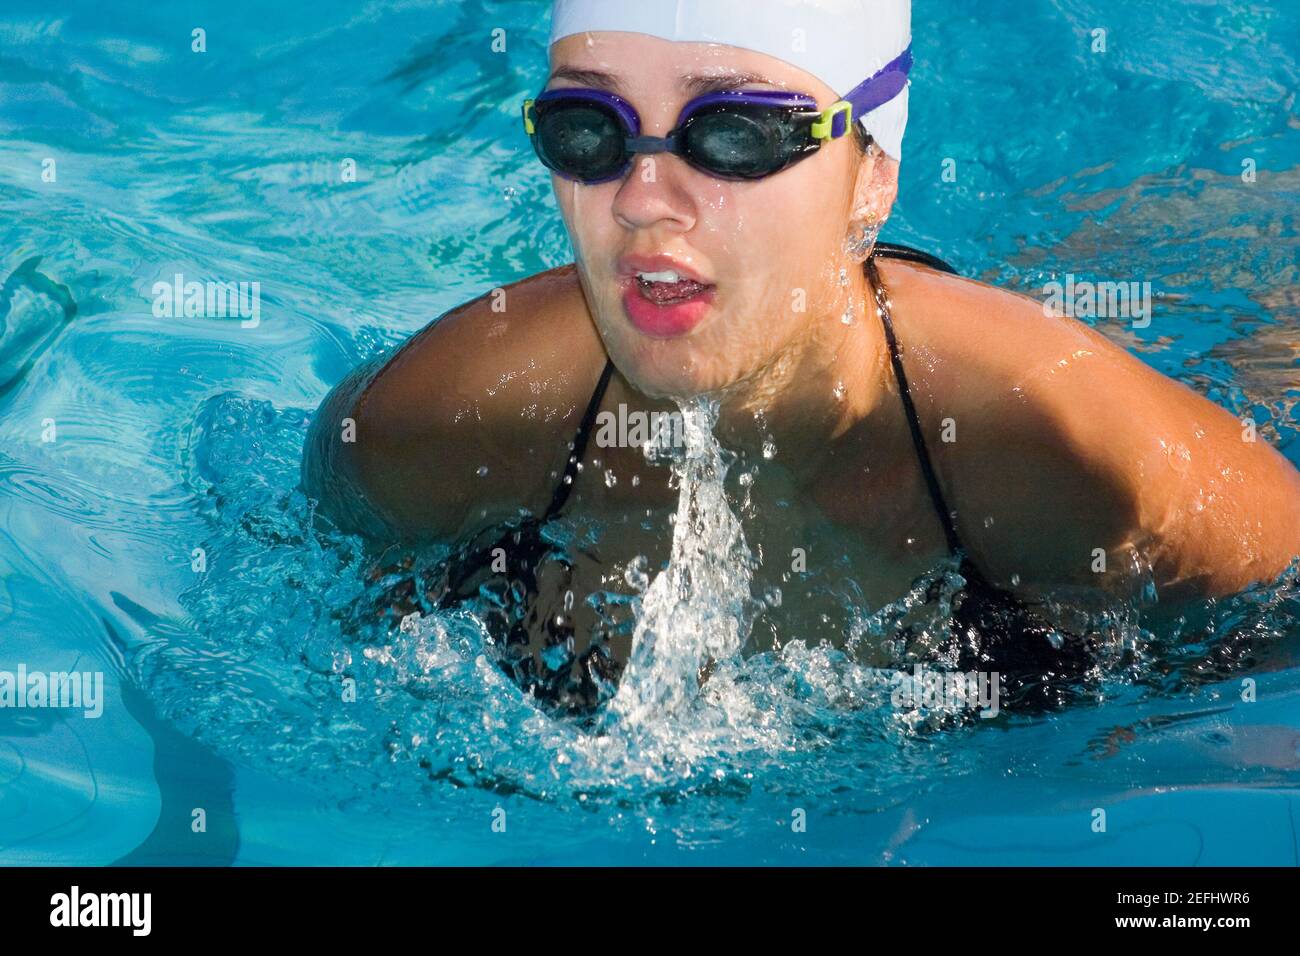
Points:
(693, 84)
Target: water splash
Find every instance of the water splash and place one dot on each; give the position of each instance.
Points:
(699, 609)
(434, 714)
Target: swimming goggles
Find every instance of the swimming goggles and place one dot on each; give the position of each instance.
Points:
(591, 136)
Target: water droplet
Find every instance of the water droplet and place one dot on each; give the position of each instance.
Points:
(988, 521)
(482, 470)
(769, 449)
(636, 575)
(1015, 580)
(611, 479)
(838, 391)
(1180, 457)
(636, 480)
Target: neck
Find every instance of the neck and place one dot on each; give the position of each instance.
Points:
(833, 378)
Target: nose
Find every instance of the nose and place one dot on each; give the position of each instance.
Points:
(655, 192)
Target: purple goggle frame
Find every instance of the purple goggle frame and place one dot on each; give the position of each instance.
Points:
(832, 123)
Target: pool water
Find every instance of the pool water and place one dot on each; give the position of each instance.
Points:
(151, 525)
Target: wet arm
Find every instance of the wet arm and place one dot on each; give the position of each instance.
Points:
(1107, 472)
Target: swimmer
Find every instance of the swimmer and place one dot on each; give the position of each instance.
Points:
(722, 169)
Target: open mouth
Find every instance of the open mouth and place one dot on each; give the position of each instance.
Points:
(664, 288)
(665, 304)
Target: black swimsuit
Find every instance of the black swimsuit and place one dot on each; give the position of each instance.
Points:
(994, 630)
(991, 630)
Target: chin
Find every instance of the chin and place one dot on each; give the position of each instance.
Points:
(669, 369)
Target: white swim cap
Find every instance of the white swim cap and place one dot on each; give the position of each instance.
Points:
(841, 42)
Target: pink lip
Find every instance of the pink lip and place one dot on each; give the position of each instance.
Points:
(651, 318)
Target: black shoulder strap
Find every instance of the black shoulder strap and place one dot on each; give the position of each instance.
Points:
(896, 360)
(892, 250)
(580, 439)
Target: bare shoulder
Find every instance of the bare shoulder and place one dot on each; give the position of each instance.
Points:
(984, 335)
(1055, 444)
(467, 420)
(987, 358)
(522, 344)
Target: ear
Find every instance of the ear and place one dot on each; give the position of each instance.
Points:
(875, 187)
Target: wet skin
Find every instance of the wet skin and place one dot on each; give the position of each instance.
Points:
(1063, 442)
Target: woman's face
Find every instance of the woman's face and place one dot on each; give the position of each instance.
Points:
(771, 250)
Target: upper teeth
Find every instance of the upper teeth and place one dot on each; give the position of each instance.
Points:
(667, 276)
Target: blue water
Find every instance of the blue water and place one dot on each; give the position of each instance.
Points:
(177, 434)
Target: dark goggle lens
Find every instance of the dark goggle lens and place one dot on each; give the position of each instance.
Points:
(745, 142)
(582, 140)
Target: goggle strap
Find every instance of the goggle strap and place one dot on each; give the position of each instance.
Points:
(873, 92)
